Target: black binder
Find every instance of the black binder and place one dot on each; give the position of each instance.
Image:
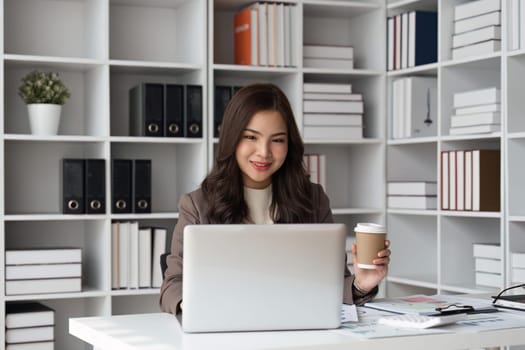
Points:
(174, 111)
(95, 186)
(193, 111)
(121, 186)
(223, 94)
(142, 186)
(146, 110)
(73, 186)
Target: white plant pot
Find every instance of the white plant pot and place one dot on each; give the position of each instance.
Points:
(44, 118)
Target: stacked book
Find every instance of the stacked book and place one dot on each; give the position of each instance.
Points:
(488, 265)
(412, 39)
(517, 266)
(264, 35)
(135, 256)
(47, 270)
(476, 111)
(315, 165)
(516, 25)
(328, 56)
(470, 180)
(412, 194)
(332, 111)
(29, 325)
(477, 28)
(414, 107)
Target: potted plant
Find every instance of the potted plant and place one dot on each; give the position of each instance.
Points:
(44, 93)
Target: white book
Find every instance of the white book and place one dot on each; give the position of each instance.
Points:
(482, 48)
(316, 106)
(475, 129)
(28, 314)
(411, 39)
(420, 115)
(486, 250)
(488, 265)
(514, 25)
(31, 334)
(518, 275)
(397, 42)
(333, 132)
(328, 51)
(460, 179)
(404, 40)
(489, 279)
(472, 23)
(412, 188)
(332, 96)
(452, 187)
(327, 88)
(262, 21)
(294, 19)
(287, 37)
(279, 22)
(115, 256)
(468, 180)
(412, 202)
(21, 272)
(477, 97)
(44, 345)
(254, 37)
(124, 256)
(159, 248)
(474, 119)
(476, 36)
(328, 63)
(43, 256)
(485, 108)
(145, 262)
(272, 34)
(445, 201)
(50, 285)
(133, 281)
(397, 108)
(390, 27)
(517, 260)
(476, 8)
(333, 119)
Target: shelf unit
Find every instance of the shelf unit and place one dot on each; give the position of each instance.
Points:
(101, 49)
(443, 262)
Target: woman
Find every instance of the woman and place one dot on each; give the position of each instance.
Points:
(259, 178)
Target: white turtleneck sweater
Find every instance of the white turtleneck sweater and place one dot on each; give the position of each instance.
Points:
(258, 202)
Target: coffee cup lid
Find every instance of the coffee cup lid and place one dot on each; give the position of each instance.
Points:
(369, 227)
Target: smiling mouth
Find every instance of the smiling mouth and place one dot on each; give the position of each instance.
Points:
(261, 165)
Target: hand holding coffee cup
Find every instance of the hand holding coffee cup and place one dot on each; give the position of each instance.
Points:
(370, 239)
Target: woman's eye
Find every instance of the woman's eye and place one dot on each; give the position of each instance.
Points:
(249, 137)
(279, 140)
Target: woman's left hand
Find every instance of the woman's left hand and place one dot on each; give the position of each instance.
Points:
(366, 279)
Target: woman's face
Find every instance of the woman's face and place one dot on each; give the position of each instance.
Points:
(262, 149)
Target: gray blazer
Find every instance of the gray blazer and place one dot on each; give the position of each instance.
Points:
(193, 209)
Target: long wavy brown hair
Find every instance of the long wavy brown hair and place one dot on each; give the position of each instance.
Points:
(223, 187)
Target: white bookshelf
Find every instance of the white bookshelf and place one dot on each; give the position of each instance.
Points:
(444, 262)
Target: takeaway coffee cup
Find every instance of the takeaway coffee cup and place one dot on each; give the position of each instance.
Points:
(370, 239)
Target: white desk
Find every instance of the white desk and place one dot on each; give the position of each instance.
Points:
(161, 331)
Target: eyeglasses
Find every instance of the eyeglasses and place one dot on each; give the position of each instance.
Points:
(494, 299)
(454, 308)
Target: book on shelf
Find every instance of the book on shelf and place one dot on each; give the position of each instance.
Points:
(321, 119)
(476, 36)
(124, 253)
(491, 95)
(452, 183)
(43, 256)
(517, 260)
(332, 132)
(332, 96)
(133, 268)
(445, 155)
(487, 279)
(28, 314)
(21, 272)
(115, 256)
(462, 120)
(516, 302)
(404, 40)
(337, 88)
(475, 129)
(460, 180)
(487, 251)
(328, 51)
(479, 109)
(488, 265)
(159, 248)
(412, 202)
(476, 8)
(245, 37)
(476, 22)
(44, 345)
(41, 286)
(144, 258)
(412, 188)
(30, 334)
(327, 63)
(486, 180)
(322, 106)
(482, 48)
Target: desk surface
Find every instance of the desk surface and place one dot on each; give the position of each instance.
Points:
(161, 331)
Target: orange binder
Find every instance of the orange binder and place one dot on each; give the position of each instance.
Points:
(242, 36)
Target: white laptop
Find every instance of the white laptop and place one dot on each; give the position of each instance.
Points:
(262, 277)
